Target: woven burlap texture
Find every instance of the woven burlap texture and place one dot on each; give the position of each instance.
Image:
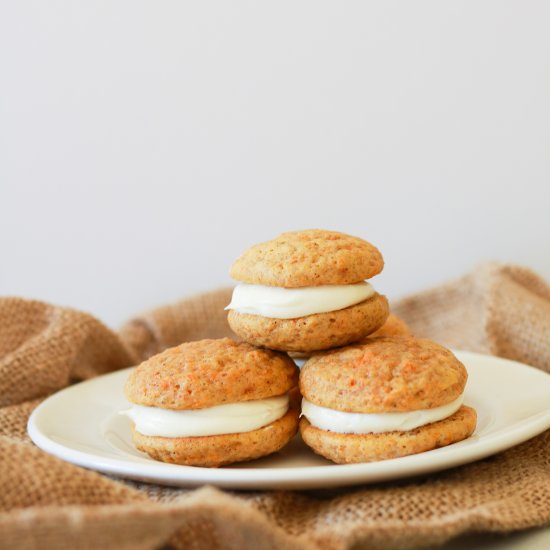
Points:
(47, 503)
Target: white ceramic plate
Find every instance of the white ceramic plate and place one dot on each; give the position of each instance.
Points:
(81, 425)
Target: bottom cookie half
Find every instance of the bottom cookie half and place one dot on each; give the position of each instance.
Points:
(314, 332)
(217, 450)
(352, 448)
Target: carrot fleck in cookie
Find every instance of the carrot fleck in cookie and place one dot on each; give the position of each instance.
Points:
(306, 291)
(213, 402)
(386, 398)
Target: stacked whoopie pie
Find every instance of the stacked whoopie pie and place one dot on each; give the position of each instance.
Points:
(213, 402)
(384, 395)
(385, 398)
(306, 291)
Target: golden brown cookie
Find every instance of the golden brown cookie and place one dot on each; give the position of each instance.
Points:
(394, 326)
(205, 374)
(217, 450)
(384, 375)
(345, 448)
(313, 332)
(308, 258)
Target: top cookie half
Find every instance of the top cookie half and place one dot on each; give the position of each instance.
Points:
(384, 375)
(312, 257)
(206, 373)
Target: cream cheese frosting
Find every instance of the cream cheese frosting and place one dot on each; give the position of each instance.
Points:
(364, 423)
(244, 416)
(290, 303)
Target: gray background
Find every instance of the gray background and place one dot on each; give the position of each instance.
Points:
(144, 145)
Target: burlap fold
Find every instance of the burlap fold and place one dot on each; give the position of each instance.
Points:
(47, 503)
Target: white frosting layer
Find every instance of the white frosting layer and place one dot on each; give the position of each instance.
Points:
(364, 423)
(221, 419)
(290, 303)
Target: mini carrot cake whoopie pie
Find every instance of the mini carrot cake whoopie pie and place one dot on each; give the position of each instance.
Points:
(213, 402)
(386, 398)
(306, 291)
(394, 326)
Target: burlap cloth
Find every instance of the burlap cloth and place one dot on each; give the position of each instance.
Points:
(47, 503)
